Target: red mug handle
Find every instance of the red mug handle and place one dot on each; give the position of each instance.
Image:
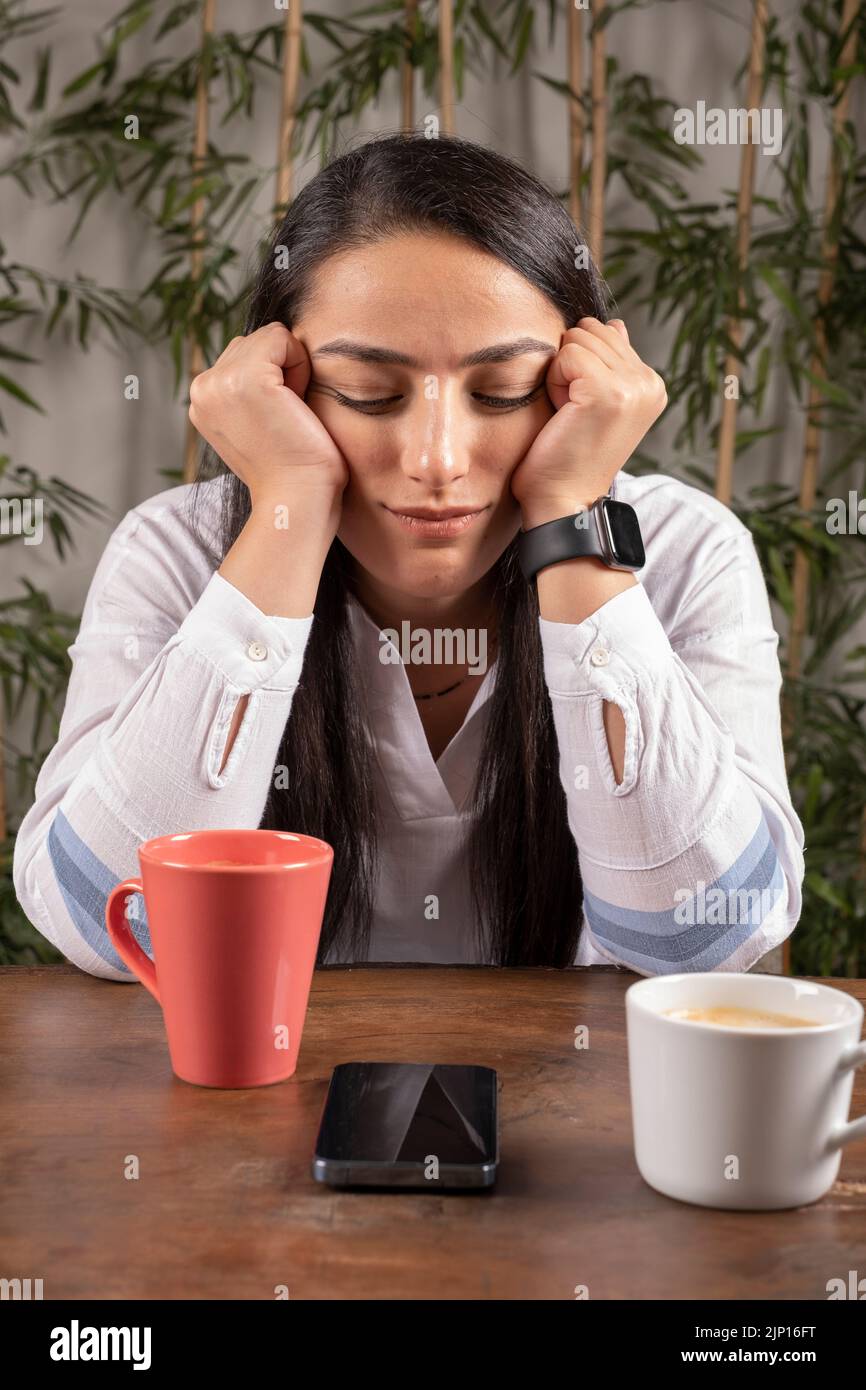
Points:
(122, 939)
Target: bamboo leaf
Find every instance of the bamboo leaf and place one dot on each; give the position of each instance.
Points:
(84, 79)
(832, 390)
(786, 298)
(13, 389)
(524, 36)
(40, 89)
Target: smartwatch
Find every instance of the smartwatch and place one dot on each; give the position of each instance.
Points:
(608, 531)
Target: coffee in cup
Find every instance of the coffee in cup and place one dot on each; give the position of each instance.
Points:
(740, 1086)
(731, 1016)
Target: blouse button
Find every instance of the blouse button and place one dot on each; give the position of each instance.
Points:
(600, 656)
(257, 651)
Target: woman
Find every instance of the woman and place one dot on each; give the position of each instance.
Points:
(579, 766)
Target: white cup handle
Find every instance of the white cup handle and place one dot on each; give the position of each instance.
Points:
(853, 1056)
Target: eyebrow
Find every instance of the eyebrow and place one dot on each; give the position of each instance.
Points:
(498, 352)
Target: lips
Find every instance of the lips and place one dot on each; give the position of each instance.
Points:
(432, 522)
(433, 513)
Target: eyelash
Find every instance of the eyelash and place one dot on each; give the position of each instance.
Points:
(495, 402)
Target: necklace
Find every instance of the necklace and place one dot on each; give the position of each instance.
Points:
(434, 694)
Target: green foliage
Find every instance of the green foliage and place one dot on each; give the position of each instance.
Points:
(677, 259)
(34, 669)
(683, 268)
(19, 943)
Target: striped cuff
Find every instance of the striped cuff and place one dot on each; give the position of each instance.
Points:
(708, 922)
(85, 883)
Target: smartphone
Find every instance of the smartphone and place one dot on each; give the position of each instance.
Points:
(408, 1124)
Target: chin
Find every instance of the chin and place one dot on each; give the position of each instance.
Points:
(434, 580)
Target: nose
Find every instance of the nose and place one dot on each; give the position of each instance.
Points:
(434, 448)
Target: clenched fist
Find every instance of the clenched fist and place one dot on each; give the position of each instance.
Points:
(605, 399)
(250, 406)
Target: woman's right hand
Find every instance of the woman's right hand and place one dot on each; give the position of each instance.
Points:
(250, 407)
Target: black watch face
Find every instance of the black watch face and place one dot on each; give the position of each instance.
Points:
(623, 534)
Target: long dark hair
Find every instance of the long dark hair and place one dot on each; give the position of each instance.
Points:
(522, 861)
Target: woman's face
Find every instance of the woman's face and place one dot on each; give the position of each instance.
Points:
(428, 363)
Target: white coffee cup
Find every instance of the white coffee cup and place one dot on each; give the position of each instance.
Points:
(750, 1118)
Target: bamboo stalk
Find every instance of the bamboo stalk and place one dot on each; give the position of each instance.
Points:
(291, 81)
(576, 121)
(754, 92)
(3, 815)
(598, 168)
(829, 257)
(812, 437)
(446, 66)
(196, 358)
(408, 74)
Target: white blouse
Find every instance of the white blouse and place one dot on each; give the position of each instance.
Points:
(693, 862)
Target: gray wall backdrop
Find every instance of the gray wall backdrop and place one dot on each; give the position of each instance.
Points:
(112, 448)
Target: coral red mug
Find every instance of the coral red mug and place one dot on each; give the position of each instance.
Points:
(235, 918)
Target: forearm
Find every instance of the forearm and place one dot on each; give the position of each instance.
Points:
(279, 567)
(277, 559)
(143, 753)
(237, 720)
(572, 590)
(691, 811)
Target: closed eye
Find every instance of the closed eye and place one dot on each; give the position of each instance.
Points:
(373, 407)
(508, 402)
(366, 407)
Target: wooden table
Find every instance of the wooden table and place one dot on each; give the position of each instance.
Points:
(225, 1206)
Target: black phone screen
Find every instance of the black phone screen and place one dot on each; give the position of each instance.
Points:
(381, 1114)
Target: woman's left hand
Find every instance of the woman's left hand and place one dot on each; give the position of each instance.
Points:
(605, 399)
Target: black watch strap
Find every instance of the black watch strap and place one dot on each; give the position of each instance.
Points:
(563, 539)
